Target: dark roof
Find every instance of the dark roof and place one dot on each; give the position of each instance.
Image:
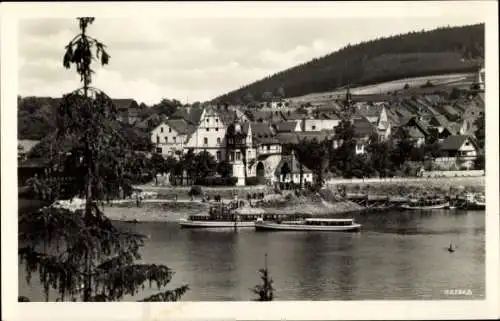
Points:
(362, 127)
(264, 140)
(231, 129)
(318, 135)
(287, 138)
(227, 116)
(194, 115)
(264, 116)
(261, 130)
(191, 115)
(286, 127)
(180, 126)
(291, 116)
(454, 142)
(439, 120)
(125, 103)
(293, 165)
(413, 122)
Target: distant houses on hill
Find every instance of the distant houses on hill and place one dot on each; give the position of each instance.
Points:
(255, 141)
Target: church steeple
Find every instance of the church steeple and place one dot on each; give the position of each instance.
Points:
(478, 84)
(348, 107)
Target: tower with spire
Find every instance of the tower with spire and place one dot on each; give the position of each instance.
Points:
(348, 108)
(478, 83)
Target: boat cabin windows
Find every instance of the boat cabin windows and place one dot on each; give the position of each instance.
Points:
(329, 222)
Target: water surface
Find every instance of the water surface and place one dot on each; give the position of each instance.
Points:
(397, 255)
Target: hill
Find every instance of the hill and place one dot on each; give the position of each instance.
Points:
(416, 54)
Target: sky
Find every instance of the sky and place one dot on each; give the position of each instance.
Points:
(193, 59)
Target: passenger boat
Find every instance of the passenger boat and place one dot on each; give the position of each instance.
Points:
(475, 202)
(232, 215)
(310, 224)
(426, 204)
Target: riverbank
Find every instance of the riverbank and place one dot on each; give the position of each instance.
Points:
(225, 192)
(411, 187)
(160, 210)
(328, 202)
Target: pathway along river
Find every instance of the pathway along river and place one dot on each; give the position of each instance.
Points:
(397, 255)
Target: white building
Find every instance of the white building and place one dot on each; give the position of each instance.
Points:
(209, 135)
(170, 137)
(320, 122)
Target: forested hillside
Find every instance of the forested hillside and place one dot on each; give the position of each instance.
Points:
(439, 51)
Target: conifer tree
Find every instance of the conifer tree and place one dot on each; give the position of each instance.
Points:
(80, 253)
(265, 291)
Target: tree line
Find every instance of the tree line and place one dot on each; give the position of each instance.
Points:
(443, 50)
(390, 158)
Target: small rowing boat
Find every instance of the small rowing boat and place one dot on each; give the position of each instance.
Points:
(426, 204)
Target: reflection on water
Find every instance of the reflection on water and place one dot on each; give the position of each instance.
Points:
(397, 255)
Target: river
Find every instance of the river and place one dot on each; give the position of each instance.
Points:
(397, 255)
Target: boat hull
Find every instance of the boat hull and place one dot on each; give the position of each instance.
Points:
(476, 206)
(428, 207)
(268, 226)
(215, 224)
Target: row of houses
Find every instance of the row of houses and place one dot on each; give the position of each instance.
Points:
(228, 133)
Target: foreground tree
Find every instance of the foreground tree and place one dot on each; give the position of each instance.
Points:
(265, 291)
(79, 252)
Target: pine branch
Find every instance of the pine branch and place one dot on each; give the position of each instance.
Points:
(167, 296)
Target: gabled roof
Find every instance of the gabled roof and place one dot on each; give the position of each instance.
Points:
(414, 122)
(454, 142)
(293, 165)
(181, 126)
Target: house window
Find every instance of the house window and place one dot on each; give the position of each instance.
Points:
(216, 120)
(268, 147)
(166, 139)
(205, 140)
(231, 156)
(161, 129)
(174, 138)
(218, 140)
(208, 129)
(169, 130)
(157, 139)
(216, 129)
(238, 156)
(159, 150)
(230, 140)
(206, 120)
(217, 156)
(313, 127)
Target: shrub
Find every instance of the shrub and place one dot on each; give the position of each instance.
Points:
(251, 181)
(195, 190)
